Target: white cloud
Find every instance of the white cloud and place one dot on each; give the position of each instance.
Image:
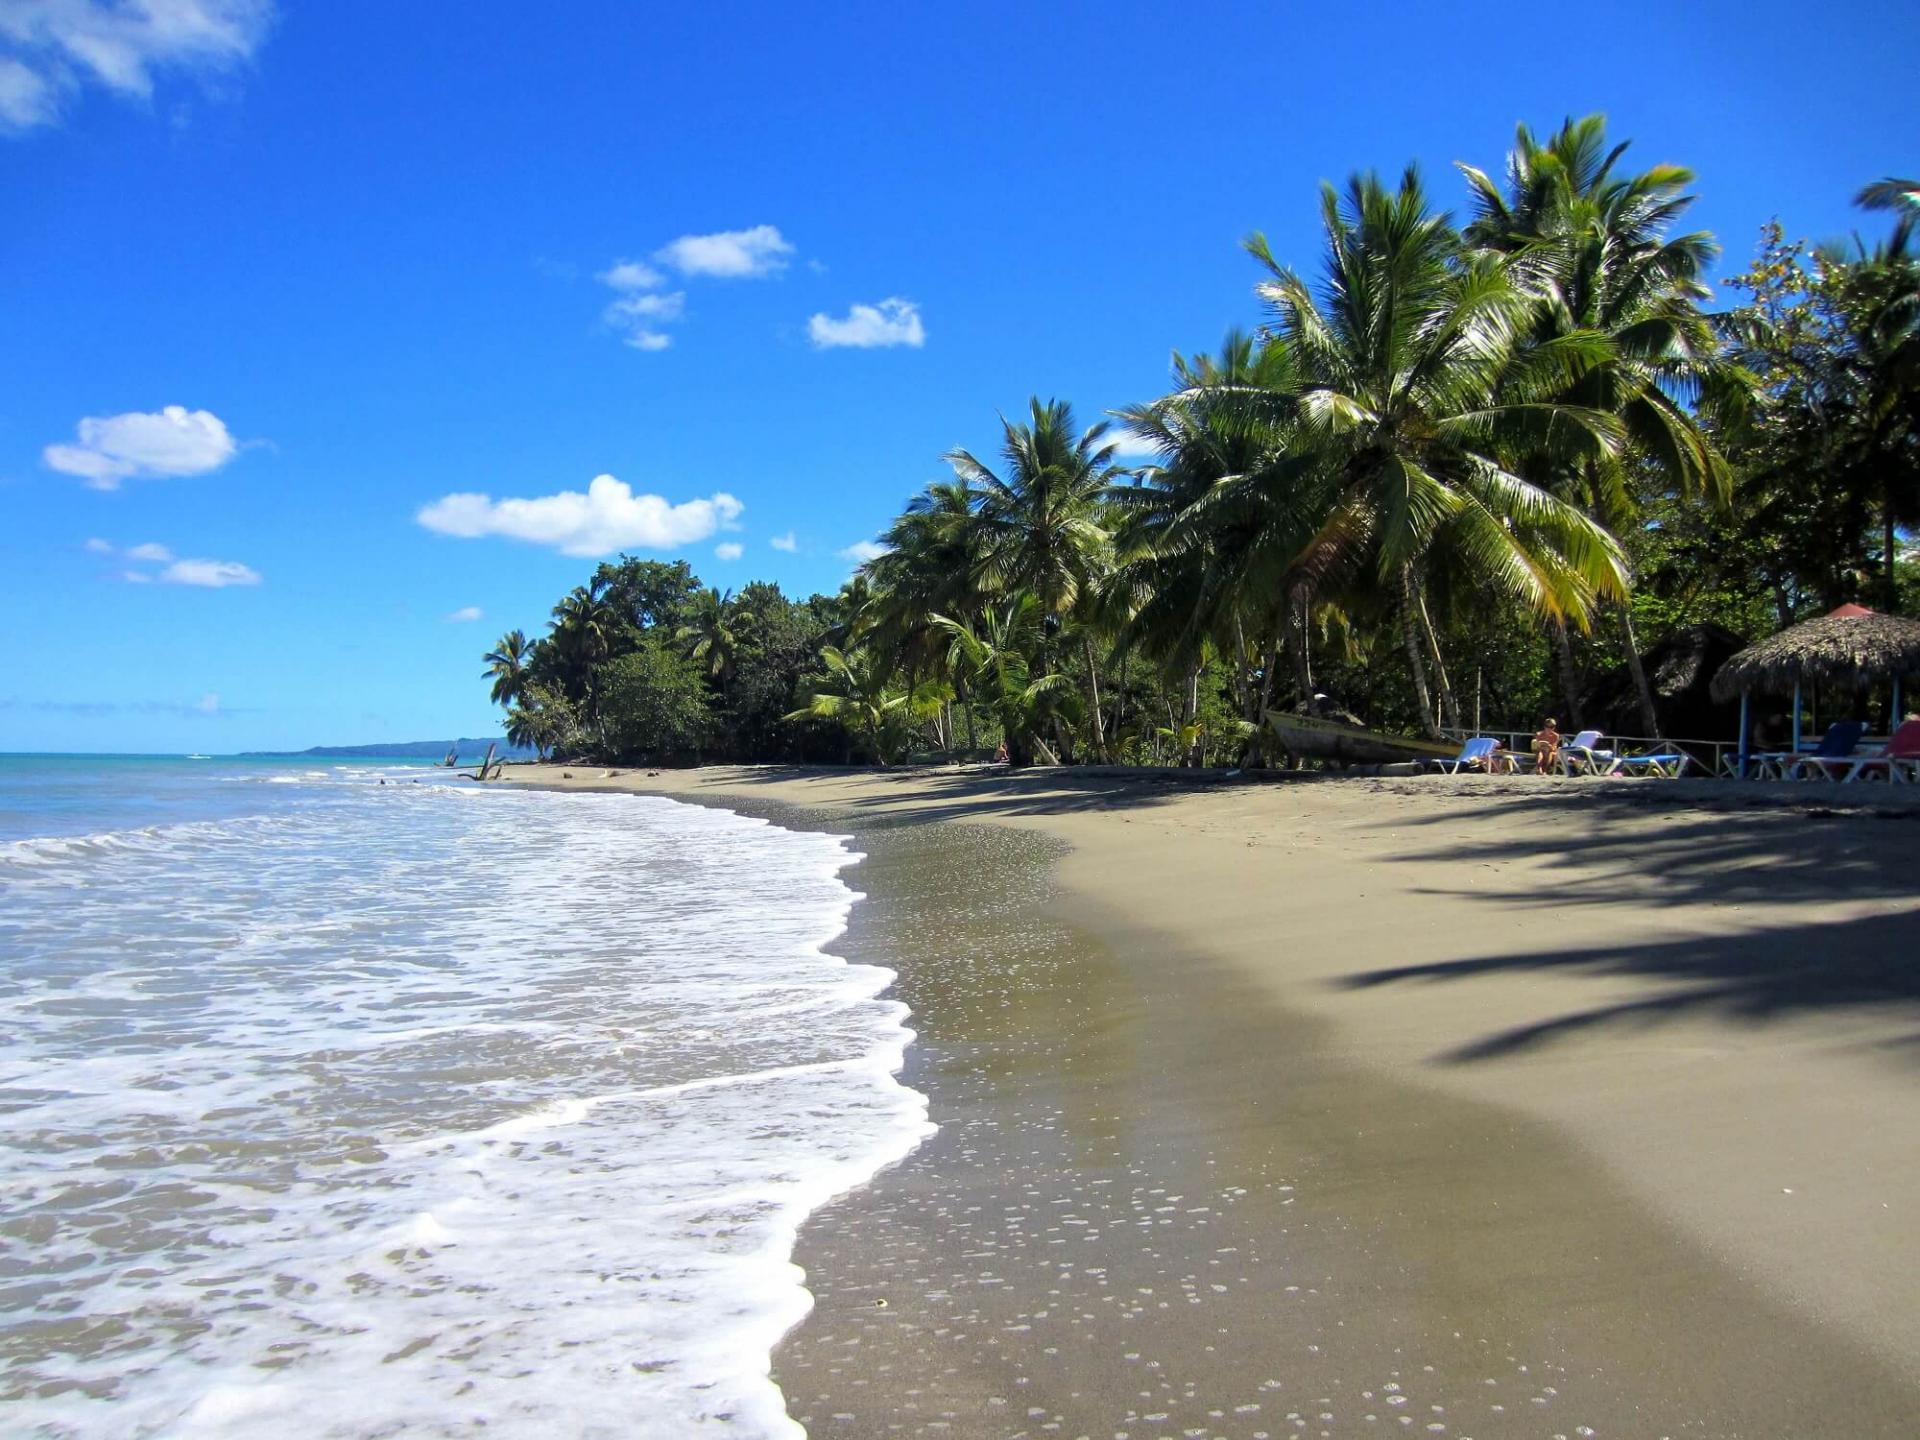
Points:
(866, 327)
(153, 552)
(639, 315)
(57, 45)
(171, 441)
(729, 550)
(729, 254)
(1129, 446)
(785, 542)
(630, 275)
(466, 614)
(137, 577)
(607, 518)
(208, 704)
(209, 574)
(862, 551)
(642, 307)
(97, 546)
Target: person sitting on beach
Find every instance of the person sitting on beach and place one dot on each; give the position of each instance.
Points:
(1546, 747)
(1000, 756)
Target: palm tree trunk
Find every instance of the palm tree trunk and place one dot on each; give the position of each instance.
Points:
(1648, 715)
(1300, 634)
(1093, 700)
(1449, 706)
(1563, 659)
(1256, 756)
(1410, 638)
(1190, 714)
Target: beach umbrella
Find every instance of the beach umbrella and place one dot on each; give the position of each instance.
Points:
(1851, 646)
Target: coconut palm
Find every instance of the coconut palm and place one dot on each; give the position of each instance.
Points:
(1040, 527)
(1225, 536)
(927, 567)
(1592, 245)
(994, 661)
(709, 634)
(1414, 387)
(859, 694)
(1876, 432)
(582, 635)
(1902, 197)
(507, 664)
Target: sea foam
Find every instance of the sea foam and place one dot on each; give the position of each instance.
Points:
(415, 1110)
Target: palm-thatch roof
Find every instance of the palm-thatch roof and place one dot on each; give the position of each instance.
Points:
(1852, 646)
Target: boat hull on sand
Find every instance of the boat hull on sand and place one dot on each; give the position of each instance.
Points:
(1343, 744)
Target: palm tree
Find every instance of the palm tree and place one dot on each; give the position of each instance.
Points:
(709, 633)
(1040, 527)
(859, 694)
(994, 661)
(928, 567)
(1592, 246)
(1902, 197)
(1413, 388)
(1224, 536)
(582, 635)
(1878, 422)
(507, 665)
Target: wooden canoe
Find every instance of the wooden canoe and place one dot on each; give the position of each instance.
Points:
(1344, 744)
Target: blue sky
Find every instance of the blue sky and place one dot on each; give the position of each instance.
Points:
(375, 259)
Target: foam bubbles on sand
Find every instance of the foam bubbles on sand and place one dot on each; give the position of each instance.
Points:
(420, 1111)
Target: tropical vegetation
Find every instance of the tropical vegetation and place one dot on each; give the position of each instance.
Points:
(1458, 470)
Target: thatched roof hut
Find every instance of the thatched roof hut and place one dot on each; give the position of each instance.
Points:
(1853, 646)
(1680, 670)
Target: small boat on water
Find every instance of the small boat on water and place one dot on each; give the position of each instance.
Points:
(1318, 738)
(199, 757)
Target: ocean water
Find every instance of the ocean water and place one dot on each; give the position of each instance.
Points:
(335, 1108)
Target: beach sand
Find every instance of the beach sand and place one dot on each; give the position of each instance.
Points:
(1354, 1107)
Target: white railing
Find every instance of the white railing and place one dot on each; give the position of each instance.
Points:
(1709, 757)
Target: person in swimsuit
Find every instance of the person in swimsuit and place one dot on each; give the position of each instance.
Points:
(1546, 747)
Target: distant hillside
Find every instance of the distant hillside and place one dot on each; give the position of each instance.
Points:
(467, 749)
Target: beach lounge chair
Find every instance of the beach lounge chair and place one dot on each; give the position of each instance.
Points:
(1838, 744)
(1582, 755)
(1482, 752)
(1898, 760)
(1666, 764)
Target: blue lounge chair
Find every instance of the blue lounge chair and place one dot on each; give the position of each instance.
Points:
(1667, 764)
(1477, 754)
(1838, 744)
(1583, 755)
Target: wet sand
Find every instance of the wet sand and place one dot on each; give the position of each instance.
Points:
(1373, 1107)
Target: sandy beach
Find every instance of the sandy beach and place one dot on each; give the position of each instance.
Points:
(1465, 1108)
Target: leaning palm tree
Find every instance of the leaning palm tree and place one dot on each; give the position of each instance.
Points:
(1593, 246)
(1413, 388)
(507, 665)
(1040, 527)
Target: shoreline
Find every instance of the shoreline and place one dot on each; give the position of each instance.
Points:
(1433, 1022)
